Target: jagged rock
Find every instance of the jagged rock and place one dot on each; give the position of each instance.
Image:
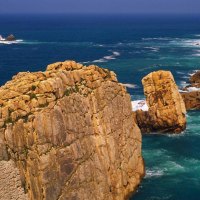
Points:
(166, 109)
(71, 134)
(191, 93)
(11, 38)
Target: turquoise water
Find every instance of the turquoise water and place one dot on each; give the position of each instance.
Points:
(132, 46)
(173, 164)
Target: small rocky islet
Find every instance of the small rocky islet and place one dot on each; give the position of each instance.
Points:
(9, 38)
(166, 109)
(71, 132)
(191, 93)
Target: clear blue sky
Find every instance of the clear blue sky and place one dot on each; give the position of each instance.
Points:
(100, 6)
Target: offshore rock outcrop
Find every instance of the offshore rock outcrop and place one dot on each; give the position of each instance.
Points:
(68, 133)
(191, 93)
(11, 38)
(166, 110)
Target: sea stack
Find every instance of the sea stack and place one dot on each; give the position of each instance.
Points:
(68, 133)
(191, 93)
(166, 110)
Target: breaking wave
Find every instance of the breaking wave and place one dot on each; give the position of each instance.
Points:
(11, 42)
(114, 56)
(129, 85)
(154, 173)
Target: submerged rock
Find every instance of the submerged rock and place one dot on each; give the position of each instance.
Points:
(69, 133)
(191, 93)
(166, 110)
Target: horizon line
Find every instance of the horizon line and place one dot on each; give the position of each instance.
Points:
(93, 13)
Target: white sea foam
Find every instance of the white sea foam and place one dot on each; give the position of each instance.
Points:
(193, 89)
(98, 61)
(156, 153)
(182, 91)
(11, 42)
(193, 72)
(178, 72)
(128, 85)
(139, 105)
(155, 49)
(109, 57)
(173, 167)
(114, 56)
(196, 54)
(115, 53)
(183, 84)
(154, 173)
(192, 161)
(185, 77)
(99, 45)
(190, 89)
(170, 135)
(157, 38)
(188, 42)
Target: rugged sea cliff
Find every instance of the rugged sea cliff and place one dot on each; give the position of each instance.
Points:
(132, 47)
(71, 132)
(68, 133)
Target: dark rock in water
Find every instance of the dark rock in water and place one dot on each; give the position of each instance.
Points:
(11, 38)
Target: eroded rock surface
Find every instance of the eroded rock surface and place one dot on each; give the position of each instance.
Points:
(191, 93)
(166, 109)
(71, 134)
(10, 182)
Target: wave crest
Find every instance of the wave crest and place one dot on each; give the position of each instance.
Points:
(114, 56)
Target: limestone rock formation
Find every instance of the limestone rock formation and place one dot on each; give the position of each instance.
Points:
(68, 133)
(166, 109)
(191, 93)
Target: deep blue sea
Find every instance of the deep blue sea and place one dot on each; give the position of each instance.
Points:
(132, 46)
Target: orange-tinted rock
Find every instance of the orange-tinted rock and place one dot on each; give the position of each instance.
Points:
(195, 78)
(191, 93)
(70, 133)
(166, 109)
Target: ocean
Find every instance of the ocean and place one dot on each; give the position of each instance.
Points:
(132, 46)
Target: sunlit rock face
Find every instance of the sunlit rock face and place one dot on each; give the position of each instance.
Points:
(191, 93)
(166, 109)
(68, 133)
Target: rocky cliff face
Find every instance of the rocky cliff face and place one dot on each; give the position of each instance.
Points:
(68, 133)
(166, 109)
(191, 93)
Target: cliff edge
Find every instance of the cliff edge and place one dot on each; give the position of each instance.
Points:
(68, 133)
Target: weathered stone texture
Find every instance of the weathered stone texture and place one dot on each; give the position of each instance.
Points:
(10, 182)
(166, 111)
(191, 93)
(71, 132)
